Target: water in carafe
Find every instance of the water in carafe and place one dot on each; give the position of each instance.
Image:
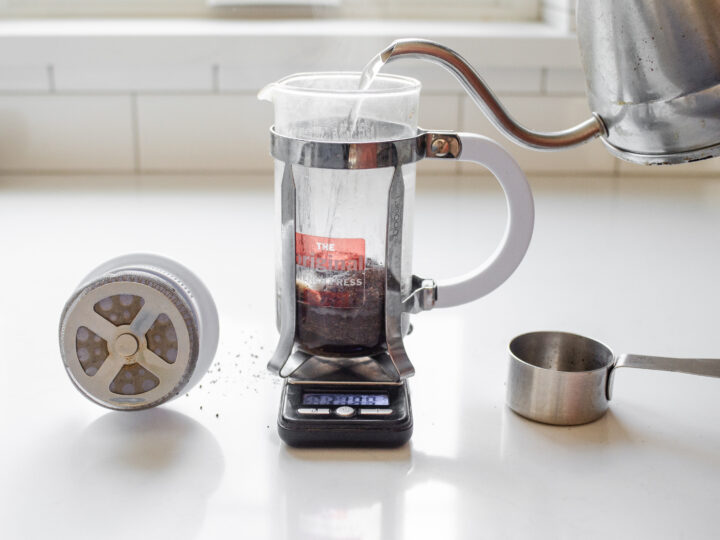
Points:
(367, 76)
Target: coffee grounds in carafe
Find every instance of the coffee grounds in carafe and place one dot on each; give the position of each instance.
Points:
(330, 330)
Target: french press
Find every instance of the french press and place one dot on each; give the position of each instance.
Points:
(345, 161)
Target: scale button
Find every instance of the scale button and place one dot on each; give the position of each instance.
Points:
(376, 412)
(313, 411)
(345, 411)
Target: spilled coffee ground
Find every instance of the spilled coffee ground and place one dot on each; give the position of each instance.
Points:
(238, 374)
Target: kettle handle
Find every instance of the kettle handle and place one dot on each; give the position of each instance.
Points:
(518, 231)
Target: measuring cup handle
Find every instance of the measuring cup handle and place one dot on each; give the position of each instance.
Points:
(518, 231)
(708, 367)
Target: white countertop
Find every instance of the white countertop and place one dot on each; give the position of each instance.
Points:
(632, 262)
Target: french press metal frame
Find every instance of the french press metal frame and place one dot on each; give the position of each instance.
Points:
(425, 293)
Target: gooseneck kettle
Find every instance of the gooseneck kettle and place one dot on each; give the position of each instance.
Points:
(652, 70)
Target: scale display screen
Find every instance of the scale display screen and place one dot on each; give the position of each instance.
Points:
(346, 399)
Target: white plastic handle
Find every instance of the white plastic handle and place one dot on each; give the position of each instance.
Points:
(518, 231)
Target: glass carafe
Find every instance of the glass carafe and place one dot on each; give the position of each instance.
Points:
(341, 214)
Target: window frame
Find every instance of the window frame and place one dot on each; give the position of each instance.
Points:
(478, 10)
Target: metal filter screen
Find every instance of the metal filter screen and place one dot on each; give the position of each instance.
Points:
(162, 339)
(133, 379)
(92, 350)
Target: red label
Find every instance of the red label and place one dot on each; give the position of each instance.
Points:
(333, 254)
(330, 271)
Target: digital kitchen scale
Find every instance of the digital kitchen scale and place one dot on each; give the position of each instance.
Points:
(344, 402)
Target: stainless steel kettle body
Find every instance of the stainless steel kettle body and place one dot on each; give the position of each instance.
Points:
(653, 76)
(653, 80)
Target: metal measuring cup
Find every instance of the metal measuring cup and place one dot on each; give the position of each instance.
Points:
(566, 379)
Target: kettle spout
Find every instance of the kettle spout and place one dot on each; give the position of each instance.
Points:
(488, 102)
(389, 51)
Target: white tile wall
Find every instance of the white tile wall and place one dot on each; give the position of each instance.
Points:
(212, 133)
(433, 77)
(543, 113)
(565, 81)
(525, 79)
(561, 5)
(124, 78)
(559, 13)
(185, 102)
(234, 78)
(65, 133)
(24, 78)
